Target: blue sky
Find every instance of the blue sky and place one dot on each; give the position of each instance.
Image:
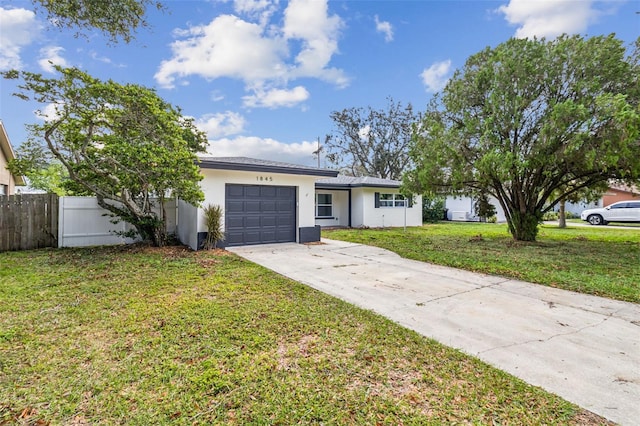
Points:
(261, 77)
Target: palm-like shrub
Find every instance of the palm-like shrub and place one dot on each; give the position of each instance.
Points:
(213, 220)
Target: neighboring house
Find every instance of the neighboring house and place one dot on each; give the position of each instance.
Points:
(617, 193)
(8, 181)
(263, 202)
(356, 202)
(462, 209)
(612, 195)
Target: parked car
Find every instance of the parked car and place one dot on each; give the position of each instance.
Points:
(622, 211)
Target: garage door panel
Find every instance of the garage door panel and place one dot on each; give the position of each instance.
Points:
(259, 214)
(268, 191)
(251, 237)
(284, 192)
(284, 221)
(284, 206)
(252, 222)
(251, 191)
(268, 236)
(234, 190)
(269, 206)
(269, 221)
(234, 222)
(234, 238)
(234, 206)
(252, 207)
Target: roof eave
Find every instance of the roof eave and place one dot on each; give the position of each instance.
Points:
(375, 185)
(357, 185)
(224, 165)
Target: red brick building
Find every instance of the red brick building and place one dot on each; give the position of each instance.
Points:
(617, 193)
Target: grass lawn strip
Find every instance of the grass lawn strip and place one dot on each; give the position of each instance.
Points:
(167, 336)
(591, 260)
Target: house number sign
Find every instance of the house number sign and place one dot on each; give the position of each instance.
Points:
(264, 178)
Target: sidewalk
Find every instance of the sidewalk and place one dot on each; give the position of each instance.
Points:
(584, 348)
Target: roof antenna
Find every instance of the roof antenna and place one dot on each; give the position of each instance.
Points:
(318, 151)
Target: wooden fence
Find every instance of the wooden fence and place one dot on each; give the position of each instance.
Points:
(28, 221)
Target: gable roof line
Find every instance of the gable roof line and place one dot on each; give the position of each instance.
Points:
(357, 182)
(257, 165)
(322, 185)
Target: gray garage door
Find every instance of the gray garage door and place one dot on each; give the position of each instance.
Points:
(259, 214)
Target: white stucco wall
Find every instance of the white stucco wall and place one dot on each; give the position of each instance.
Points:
(340, 204)
(465, 204)
(213, 186)
(357, 207)
(365, 214)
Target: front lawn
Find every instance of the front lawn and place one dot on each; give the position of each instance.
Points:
(593, 260)
(166, 336)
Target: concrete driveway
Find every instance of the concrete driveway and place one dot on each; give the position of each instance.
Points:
(584, 348)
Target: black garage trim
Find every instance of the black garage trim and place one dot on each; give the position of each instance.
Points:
(259, 214)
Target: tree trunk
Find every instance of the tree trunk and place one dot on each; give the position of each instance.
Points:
(152, 229)
(562, 219)
(524, 226)
(159, 237)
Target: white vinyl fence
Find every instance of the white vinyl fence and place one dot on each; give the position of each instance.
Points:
(82, 222)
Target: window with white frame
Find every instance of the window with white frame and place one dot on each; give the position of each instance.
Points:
(4, 189)
(324, 205)
(392, 200)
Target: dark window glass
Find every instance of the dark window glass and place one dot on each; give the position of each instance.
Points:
(324, 211)
(324, 198)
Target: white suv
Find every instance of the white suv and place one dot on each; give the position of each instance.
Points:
(622, 211)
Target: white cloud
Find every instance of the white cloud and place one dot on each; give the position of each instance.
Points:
(264, 148)
(260, 54)
(50, 56)
(251, 6)
(50, 112)
(257, 9)
(19, 29)
(385, 28)
(226, 47)
(276, 98)
(364, 132)
(308, 20)
(549, 18)
(221, 124)
(435, 77)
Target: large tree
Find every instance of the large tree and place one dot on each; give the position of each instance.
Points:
(531, 122)
(117, 19)
(122, 143)
(372, 142)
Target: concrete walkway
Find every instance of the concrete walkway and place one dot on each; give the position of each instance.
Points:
(584, 348)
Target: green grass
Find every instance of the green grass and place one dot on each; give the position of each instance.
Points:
(593, 260)
(148, 336)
